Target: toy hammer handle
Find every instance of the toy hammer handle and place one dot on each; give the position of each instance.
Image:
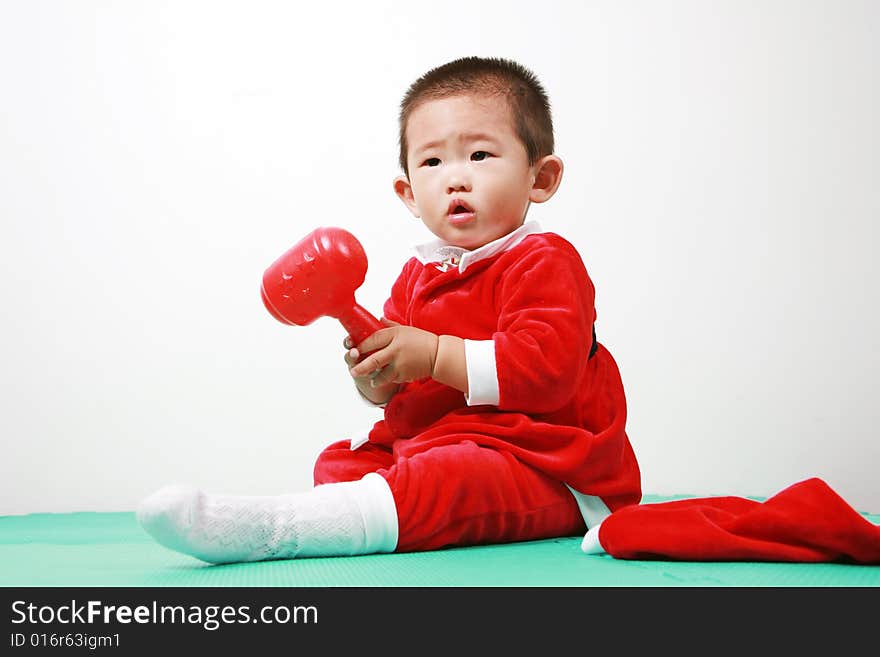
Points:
(359, 323)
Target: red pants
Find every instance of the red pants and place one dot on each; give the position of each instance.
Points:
(460, 494)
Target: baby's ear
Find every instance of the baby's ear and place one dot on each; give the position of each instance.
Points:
(404, 191)
(548, 175)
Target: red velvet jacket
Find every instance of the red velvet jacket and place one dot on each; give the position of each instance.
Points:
(559, 410)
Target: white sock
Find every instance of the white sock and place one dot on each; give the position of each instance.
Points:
(340, 519)
(590, 544)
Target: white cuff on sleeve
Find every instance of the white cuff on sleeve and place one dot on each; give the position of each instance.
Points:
(481, 372)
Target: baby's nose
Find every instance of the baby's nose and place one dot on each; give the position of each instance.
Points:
(458, 181)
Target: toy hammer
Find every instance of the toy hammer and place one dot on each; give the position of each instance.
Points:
(317, 277)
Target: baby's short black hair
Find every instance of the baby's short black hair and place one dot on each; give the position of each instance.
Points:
(528, 102)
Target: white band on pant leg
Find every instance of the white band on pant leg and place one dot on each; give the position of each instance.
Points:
(380, 513)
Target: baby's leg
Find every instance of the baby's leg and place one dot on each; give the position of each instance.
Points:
(355, 515)
(459, 494)
(338, 462)
(464, 494)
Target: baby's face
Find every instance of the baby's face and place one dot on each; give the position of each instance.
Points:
(469, 173)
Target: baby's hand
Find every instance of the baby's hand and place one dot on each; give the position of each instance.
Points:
(377, 394)
(395, 354)
(352, 355)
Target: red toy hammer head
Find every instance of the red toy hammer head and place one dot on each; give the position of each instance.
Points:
(317, 277)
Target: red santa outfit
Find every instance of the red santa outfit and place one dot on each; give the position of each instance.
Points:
(538, 448)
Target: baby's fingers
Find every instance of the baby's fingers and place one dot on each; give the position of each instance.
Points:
(368, 365)
(378, 340)
(351, 357)
(386, 375)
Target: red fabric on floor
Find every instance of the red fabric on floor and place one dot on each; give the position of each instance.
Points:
(806, 522)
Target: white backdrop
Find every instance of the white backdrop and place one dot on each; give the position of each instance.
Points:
(721, 184)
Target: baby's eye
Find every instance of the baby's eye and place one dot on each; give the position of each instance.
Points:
(479, 156)
(431, 162)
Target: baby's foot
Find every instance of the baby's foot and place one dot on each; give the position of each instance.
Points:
(216, 529)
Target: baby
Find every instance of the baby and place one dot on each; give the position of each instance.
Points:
(504, 418)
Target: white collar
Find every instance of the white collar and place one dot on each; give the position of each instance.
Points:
(438, 251)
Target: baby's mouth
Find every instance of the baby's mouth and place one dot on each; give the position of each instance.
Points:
(458, 208)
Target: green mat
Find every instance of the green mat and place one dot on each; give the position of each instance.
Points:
(110, 549)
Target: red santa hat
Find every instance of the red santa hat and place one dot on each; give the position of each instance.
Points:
(806, 522)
